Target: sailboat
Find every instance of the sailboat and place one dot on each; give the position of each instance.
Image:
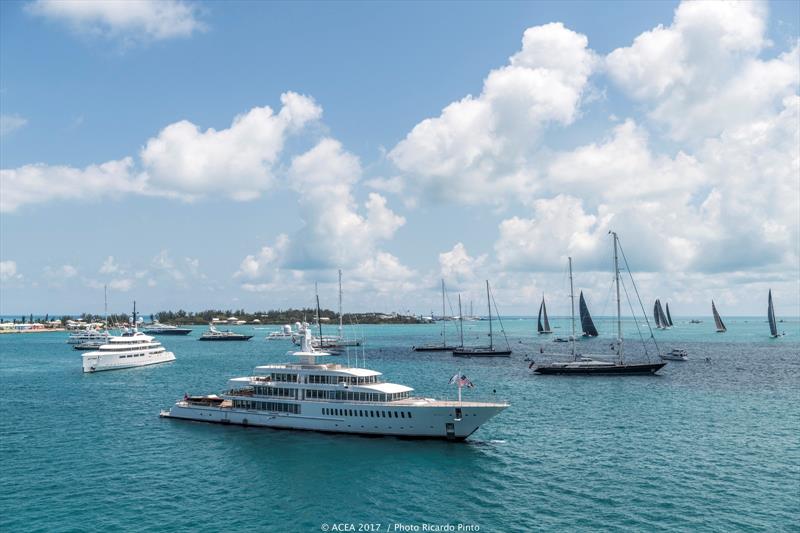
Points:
(587, 325)
(669, 317)
(443, 347)
(717, 320)
(335, 342)
(486, 351)
(543, 327)
(581, 365)
(662, 322)
(773, 326)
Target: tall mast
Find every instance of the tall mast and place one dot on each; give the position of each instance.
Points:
(619, 308)
(134, 315)
(444, 322)
(319, 321)
(340, 303)
(460, 321)
(105, 304)
(572, 305)
(489, 302)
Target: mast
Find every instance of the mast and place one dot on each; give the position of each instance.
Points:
(105, 304)
(134, 315)
(619, 306)
(489, 303)
(572, 305)
(340, 304)
(319, 322)
(444, 322)
(460, 321)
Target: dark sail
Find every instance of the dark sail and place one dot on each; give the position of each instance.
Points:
(773, 327)
(546, 322)
(661, 315)
(669, 318)
(717, 320)
(656, 316)
(539, 326)
(586, 319)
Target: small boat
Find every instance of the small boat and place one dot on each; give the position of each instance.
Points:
(773, 327)
(587, 325)
(486, 351)
(676, 354)
(436, 347)
(213, 334)
(717, 319)
(283, 333)
(585, 366)
(543, 328)
(695, 321)
(157, 328)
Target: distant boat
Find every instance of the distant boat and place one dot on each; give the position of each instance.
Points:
(213, 334)
(543, 327)
(157, 328)
(587, 325)
(487, 351)
(662, 322)
(676, 354)
(717, 320)
(669, 318)
(443, 347)
(773, 327)
(586, 366)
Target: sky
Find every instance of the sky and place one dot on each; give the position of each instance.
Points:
(231, 155)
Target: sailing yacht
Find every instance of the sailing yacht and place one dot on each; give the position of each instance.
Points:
(669, 317)
(773, 326)
(661, 320)
(486, 351)
(543, 328)
(310, 395)
(581, 365)
(443, 347)
(331, 342)
(587, 324)
(717, 319)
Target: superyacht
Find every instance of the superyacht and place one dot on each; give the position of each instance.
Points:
(311, 395)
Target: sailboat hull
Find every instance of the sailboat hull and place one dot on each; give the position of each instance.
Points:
(434, 348)
(609, 370)
(478, 352)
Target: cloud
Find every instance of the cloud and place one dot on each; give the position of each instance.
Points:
(109, 266)
(237, 161)
(702, 74)
(479, 149)
(130, 21)
(266, 263)
(57, 275)
(180, 162)
(459, 269)
(8, 271)
(10, 123)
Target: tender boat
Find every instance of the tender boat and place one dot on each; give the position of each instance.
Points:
(310, 395)
(283, 333)
(213, 334)
(676, 354)
(88, 335)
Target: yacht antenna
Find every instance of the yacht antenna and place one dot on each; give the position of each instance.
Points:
(620, 350)
(105, 304)
(134, 316)
(572, 306)
(319, 322)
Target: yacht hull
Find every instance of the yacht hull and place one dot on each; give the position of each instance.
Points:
(438, 421)
(611, 370)
(92, 363)
(481, 353)
(434, 348)
(220, 339)
(168, 332)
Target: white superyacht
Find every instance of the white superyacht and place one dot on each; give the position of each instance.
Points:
(310, 395)
(133, 348)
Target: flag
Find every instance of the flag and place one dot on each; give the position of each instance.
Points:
(465, 382)
(455, 378)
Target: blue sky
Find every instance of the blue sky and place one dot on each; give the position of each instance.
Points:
(639, 117)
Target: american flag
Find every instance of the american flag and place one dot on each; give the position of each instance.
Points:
(461, 380)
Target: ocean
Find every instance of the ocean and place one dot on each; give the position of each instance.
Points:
(710, 444)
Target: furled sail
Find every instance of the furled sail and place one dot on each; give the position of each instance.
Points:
(717, 320)
(586, 319)
(543, 325)
(669, 318)
(773, 327)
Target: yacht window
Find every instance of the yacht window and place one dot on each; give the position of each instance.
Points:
(402, 414)
(409, 414)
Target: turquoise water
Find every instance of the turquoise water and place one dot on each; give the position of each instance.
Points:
(709, 445)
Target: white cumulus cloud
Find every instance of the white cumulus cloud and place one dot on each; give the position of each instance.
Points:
(10, 123)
